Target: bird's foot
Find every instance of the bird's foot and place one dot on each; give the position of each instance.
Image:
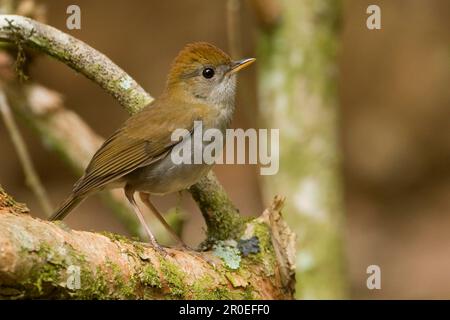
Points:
(158, 248)
(192, 251)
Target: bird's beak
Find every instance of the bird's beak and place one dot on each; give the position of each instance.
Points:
(240, 64)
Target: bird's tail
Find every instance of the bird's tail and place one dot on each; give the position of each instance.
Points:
(68, 205)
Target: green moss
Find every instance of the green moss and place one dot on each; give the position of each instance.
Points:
(221, 216)
(150, 277)
(205, 289)
(266, 255)
(262, 232)
(249, 293)
(52, 272)
(123, 287)
(202, 289)
(96, 285)
(49, 267)
(220, 293)
(231, 277)
(116, 237)
(47, 274)
(93, 285)
(174, 277)
(127, 289)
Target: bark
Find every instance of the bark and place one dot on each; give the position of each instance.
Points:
(297, 91)
(40, 259)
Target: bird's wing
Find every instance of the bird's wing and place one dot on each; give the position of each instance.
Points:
(143, 139)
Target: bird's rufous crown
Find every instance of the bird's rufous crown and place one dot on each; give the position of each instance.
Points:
(194, 55)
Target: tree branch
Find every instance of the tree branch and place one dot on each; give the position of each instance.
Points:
(39, 259)
(99, 68)
(77, 55)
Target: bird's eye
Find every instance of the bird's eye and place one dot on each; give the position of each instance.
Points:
(208, 73)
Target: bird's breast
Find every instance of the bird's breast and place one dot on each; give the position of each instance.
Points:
(167, 176)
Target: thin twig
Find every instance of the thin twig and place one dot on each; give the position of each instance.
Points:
(31, 177)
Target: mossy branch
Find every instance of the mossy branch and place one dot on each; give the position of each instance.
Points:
(100, 69)
(39, 259)
(222, 217)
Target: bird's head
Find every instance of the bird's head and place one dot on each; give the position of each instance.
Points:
(204, 73)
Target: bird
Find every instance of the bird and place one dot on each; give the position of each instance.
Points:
(200, 88)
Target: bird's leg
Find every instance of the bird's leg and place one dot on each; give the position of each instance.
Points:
(145, 197)
(129, 193)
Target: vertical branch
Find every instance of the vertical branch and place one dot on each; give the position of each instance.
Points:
(31, 177)
(297, 90)
(222, 217)
(268, 13)
(233, 13)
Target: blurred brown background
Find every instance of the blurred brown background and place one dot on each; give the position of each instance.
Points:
(395, 126)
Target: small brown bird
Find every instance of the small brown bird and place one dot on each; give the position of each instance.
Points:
(200, 87)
